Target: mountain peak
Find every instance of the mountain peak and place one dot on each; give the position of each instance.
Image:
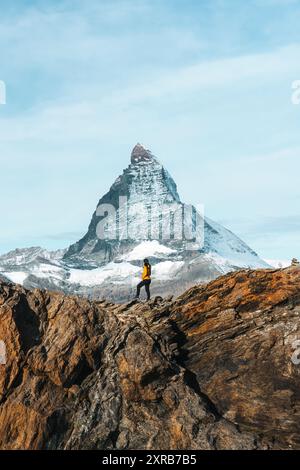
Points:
(141, 154)
(151, 198)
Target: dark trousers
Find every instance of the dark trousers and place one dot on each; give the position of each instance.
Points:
(147, 287)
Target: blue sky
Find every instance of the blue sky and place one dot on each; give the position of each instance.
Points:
(206, 85)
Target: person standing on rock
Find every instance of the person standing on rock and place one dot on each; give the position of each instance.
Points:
(146, 280)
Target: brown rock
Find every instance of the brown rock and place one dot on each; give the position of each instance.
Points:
(212, 369)
(140, 154)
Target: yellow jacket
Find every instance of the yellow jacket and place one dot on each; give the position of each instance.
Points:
(146, 273)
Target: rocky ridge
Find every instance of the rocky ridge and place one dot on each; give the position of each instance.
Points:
(211, 369)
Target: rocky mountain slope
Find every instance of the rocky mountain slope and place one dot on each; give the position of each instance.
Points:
(211, 369)
(111, 266)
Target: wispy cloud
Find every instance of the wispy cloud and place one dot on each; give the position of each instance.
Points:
(91, 111)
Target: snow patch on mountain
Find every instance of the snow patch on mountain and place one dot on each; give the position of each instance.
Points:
(147, 249)
(112, 272)
(278, 263)
(226, 264)
(17, 277)
(167, 269)
(45, 271)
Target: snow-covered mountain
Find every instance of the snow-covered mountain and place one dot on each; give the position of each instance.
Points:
(109, 265)
(34, 267)
(145, 183)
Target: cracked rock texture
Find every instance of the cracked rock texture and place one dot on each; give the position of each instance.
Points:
(211, 369)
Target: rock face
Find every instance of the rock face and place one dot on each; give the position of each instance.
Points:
(212, 369)
(140, 154)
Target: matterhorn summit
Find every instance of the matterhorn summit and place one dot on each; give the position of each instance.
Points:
(141, 216)
(140, 154)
